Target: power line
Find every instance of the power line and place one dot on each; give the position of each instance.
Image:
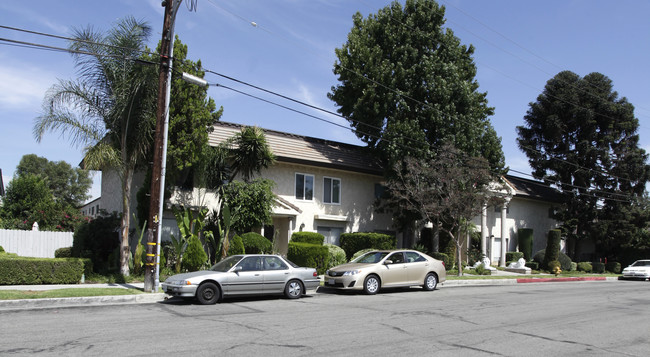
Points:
(59, 49)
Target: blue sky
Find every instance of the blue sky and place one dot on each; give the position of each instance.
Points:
(519, 46)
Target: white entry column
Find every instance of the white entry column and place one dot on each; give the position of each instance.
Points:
(504, 231)
(484, 229)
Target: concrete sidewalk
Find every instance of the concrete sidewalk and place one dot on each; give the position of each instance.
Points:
(53, 303)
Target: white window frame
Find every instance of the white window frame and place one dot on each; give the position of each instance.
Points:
(331, 201)
(295, 186)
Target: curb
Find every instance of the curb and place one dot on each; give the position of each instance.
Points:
(494, 282)
(28, 304)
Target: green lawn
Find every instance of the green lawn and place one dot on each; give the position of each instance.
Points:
(63, 293)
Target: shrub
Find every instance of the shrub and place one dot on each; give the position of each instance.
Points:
(444, 257)
(2, 250)
(533, 265)
(598, 267)
(194, 257)
(97, 240)
(514, 256)
(354, 242)
(525, 237)
(336, 254)
(236, 246)
(308, 237)
(552, 247)
(16, 270)
(584, 267)
(309, 255)
(613, 267)
(63, 252)
(481, 269)
(564, 259)
(255, 243)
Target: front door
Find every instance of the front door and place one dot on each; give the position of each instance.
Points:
(248, 277)
(394, 273)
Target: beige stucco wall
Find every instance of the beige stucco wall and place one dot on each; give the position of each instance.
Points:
(355, 213)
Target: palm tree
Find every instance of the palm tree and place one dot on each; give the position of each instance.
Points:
(109, 109)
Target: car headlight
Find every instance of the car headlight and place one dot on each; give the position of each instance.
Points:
(352, 272)
(180, 282)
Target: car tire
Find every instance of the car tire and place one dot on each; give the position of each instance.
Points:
(208, 293)
(371, 284)
(293, 289)
(430, 282)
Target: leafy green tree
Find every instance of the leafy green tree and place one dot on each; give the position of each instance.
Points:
(407, 86)
(191, 115)
(253, 202)
(68, 185)
(109, 109)
(582, 138)
(28, 200)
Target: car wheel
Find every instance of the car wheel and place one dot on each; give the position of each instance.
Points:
(430, 282)
(208, 293)
(293, 290)
(371, 285)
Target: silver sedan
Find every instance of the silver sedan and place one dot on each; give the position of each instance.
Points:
(254, 274)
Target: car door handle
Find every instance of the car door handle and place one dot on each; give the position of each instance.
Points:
(257, 275)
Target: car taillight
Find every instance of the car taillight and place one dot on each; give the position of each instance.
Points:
(315, 274)
(443, 264)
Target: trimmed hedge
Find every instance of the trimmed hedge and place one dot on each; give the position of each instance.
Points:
(16, 270)
(63, 252)
(514, 256)
(598, 267)
(563, 258)
(553, 248)
(2, 250)
(309, 255)
(337, 255)
(308, 237)
(525, 237)
(255, 243)
(354, 242)
(236, 246)
(585, 267)
(613, 267)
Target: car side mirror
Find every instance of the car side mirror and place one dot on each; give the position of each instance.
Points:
(388, 261)
(238, 269)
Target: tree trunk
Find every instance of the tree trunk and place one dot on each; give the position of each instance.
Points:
(125, 248)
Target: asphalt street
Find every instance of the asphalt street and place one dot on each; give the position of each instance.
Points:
(594, 318)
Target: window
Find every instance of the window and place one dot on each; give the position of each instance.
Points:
(331, 190)
(414, 257)
(274, 263)
(304, 187)
(497, 209)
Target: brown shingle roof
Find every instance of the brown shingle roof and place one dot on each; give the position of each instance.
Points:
(306, 150)
(533, 189)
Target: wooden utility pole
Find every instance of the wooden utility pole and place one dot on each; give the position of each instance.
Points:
(160, 148)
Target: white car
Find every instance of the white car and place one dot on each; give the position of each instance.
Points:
(638, 270)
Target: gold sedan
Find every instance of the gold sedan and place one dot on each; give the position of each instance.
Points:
(387, 268)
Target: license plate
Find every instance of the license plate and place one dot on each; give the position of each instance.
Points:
(330, 281)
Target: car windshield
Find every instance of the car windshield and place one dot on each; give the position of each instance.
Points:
(641, 263)
(370, 257)
(227, 263)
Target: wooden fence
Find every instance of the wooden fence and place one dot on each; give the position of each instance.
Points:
(34, 243)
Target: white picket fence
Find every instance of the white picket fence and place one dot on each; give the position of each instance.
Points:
(34, 243)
